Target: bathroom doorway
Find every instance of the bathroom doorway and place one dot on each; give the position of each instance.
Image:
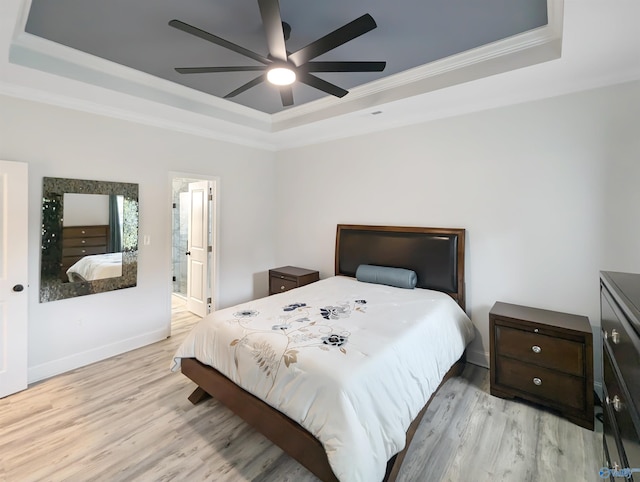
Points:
(194, 207)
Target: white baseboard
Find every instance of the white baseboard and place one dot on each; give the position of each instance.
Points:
(480, 358)
(77, 360)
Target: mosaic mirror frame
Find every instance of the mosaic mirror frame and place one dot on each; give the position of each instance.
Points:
(52, 287)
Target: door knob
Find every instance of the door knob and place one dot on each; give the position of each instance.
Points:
(18, 288)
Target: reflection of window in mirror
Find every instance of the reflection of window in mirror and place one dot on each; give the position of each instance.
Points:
(92, 236)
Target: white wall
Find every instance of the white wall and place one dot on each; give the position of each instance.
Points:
(58, 142)
(85, 209)
(546, 190)
(621, 183)
(531, 183)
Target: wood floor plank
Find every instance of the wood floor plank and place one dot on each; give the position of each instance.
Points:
(128, 418)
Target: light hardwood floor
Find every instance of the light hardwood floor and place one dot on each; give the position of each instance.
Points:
(128, 419)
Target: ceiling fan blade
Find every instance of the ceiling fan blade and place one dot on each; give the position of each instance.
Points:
(344, 34)
(245, 87)
(272, 22)
(185, 27)
(323, 85)
(206, 70)
(286, 94)
(344, 66)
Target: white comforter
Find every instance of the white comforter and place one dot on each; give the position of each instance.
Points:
(96, 266)
(352, 362)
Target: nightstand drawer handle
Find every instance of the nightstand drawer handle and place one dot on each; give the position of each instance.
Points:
(536, 349)
(537, 381)
(616, 402)
(615, 336)
(282, 287)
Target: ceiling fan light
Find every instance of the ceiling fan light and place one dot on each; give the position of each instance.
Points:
(281, 76)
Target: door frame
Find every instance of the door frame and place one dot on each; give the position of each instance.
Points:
(215, 231)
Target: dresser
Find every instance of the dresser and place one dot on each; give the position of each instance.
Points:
(620, 322)
(288, 277)
(80, 241)
(545, 357)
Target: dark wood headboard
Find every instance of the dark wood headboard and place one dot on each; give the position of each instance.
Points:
(435, 254)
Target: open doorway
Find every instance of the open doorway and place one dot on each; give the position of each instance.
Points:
(194, 207)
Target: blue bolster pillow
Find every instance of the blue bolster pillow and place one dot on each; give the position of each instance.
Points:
(384, 275)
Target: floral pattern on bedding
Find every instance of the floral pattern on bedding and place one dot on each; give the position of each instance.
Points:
(358, 403)
(300, 327)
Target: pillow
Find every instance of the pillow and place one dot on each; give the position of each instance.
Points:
(384, 275)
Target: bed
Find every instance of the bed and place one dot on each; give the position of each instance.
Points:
(338, 373)
(95, 267)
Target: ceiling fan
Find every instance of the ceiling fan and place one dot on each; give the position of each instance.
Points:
(283, 68)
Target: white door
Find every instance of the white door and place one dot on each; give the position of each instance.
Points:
(13, 277)
(198, 248)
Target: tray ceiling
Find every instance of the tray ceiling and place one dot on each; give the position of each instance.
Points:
(410, 34)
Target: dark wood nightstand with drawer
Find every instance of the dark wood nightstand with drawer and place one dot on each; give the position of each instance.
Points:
(545, 357)
(289, 277)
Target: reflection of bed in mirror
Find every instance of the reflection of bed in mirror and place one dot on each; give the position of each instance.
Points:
(81, 241)
(96, 266)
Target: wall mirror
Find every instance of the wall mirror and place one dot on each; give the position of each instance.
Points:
(89, 238)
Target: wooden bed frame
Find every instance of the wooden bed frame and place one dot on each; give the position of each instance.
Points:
(437, 256)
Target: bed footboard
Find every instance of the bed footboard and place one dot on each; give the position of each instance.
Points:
(290, 436)
(281, 430)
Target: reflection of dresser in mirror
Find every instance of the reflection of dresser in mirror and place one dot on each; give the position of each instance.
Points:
(80, 241)
(85, 228)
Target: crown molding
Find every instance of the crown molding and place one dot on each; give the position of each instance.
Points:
(203, 127)
(525, 49)
(38, 53)
(80, 81)
(529, 48)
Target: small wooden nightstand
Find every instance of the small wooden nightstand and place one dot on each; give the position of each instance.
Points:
(289, 277)
(545, 357)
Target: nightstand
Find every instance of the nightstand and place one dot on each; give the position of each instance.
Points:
(289, 277)
(544, 357)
